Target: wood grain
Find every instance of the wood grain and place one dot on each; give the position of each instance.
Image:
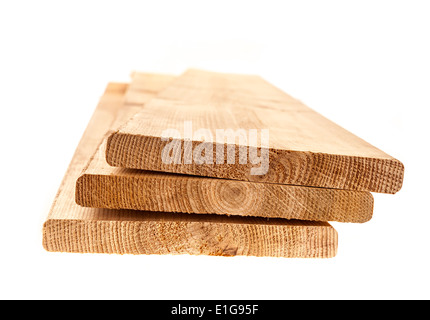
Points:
(305, 148)
(72, 228)
(103, 186)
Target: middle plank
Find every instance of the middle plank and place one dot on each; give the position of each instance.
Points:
(103, 186)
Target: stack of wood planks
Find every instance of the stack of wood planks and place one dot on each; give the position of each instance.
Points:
(152, 174)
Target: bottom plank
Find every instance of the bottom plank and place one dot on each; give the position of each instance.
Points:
(72, 228)
(162, 233)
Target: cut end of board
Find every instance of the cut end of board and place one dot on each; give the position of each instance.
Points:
(160, 233)
(152, 191)
(285, 167)
(112, 157)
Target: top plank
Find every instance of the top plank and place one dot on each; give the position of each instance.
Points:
(303, 147)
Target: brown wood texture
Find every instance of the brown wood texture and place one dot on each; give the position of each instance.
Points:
(305, 148)
(72, 228)
(104, 186)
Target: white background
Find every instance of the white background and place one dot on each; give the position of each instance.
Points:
(363, 64)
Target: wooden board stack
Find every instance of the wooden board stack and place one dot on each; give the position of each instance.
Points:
(123, 193)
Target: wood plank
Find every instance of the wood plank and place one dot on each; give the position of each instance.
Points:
(304, 149)
(72, 228)
(104, 186)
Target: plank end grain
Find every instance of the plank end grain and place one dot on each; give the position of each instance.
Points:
(103, 186)
(156, 233)
(320, 170)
